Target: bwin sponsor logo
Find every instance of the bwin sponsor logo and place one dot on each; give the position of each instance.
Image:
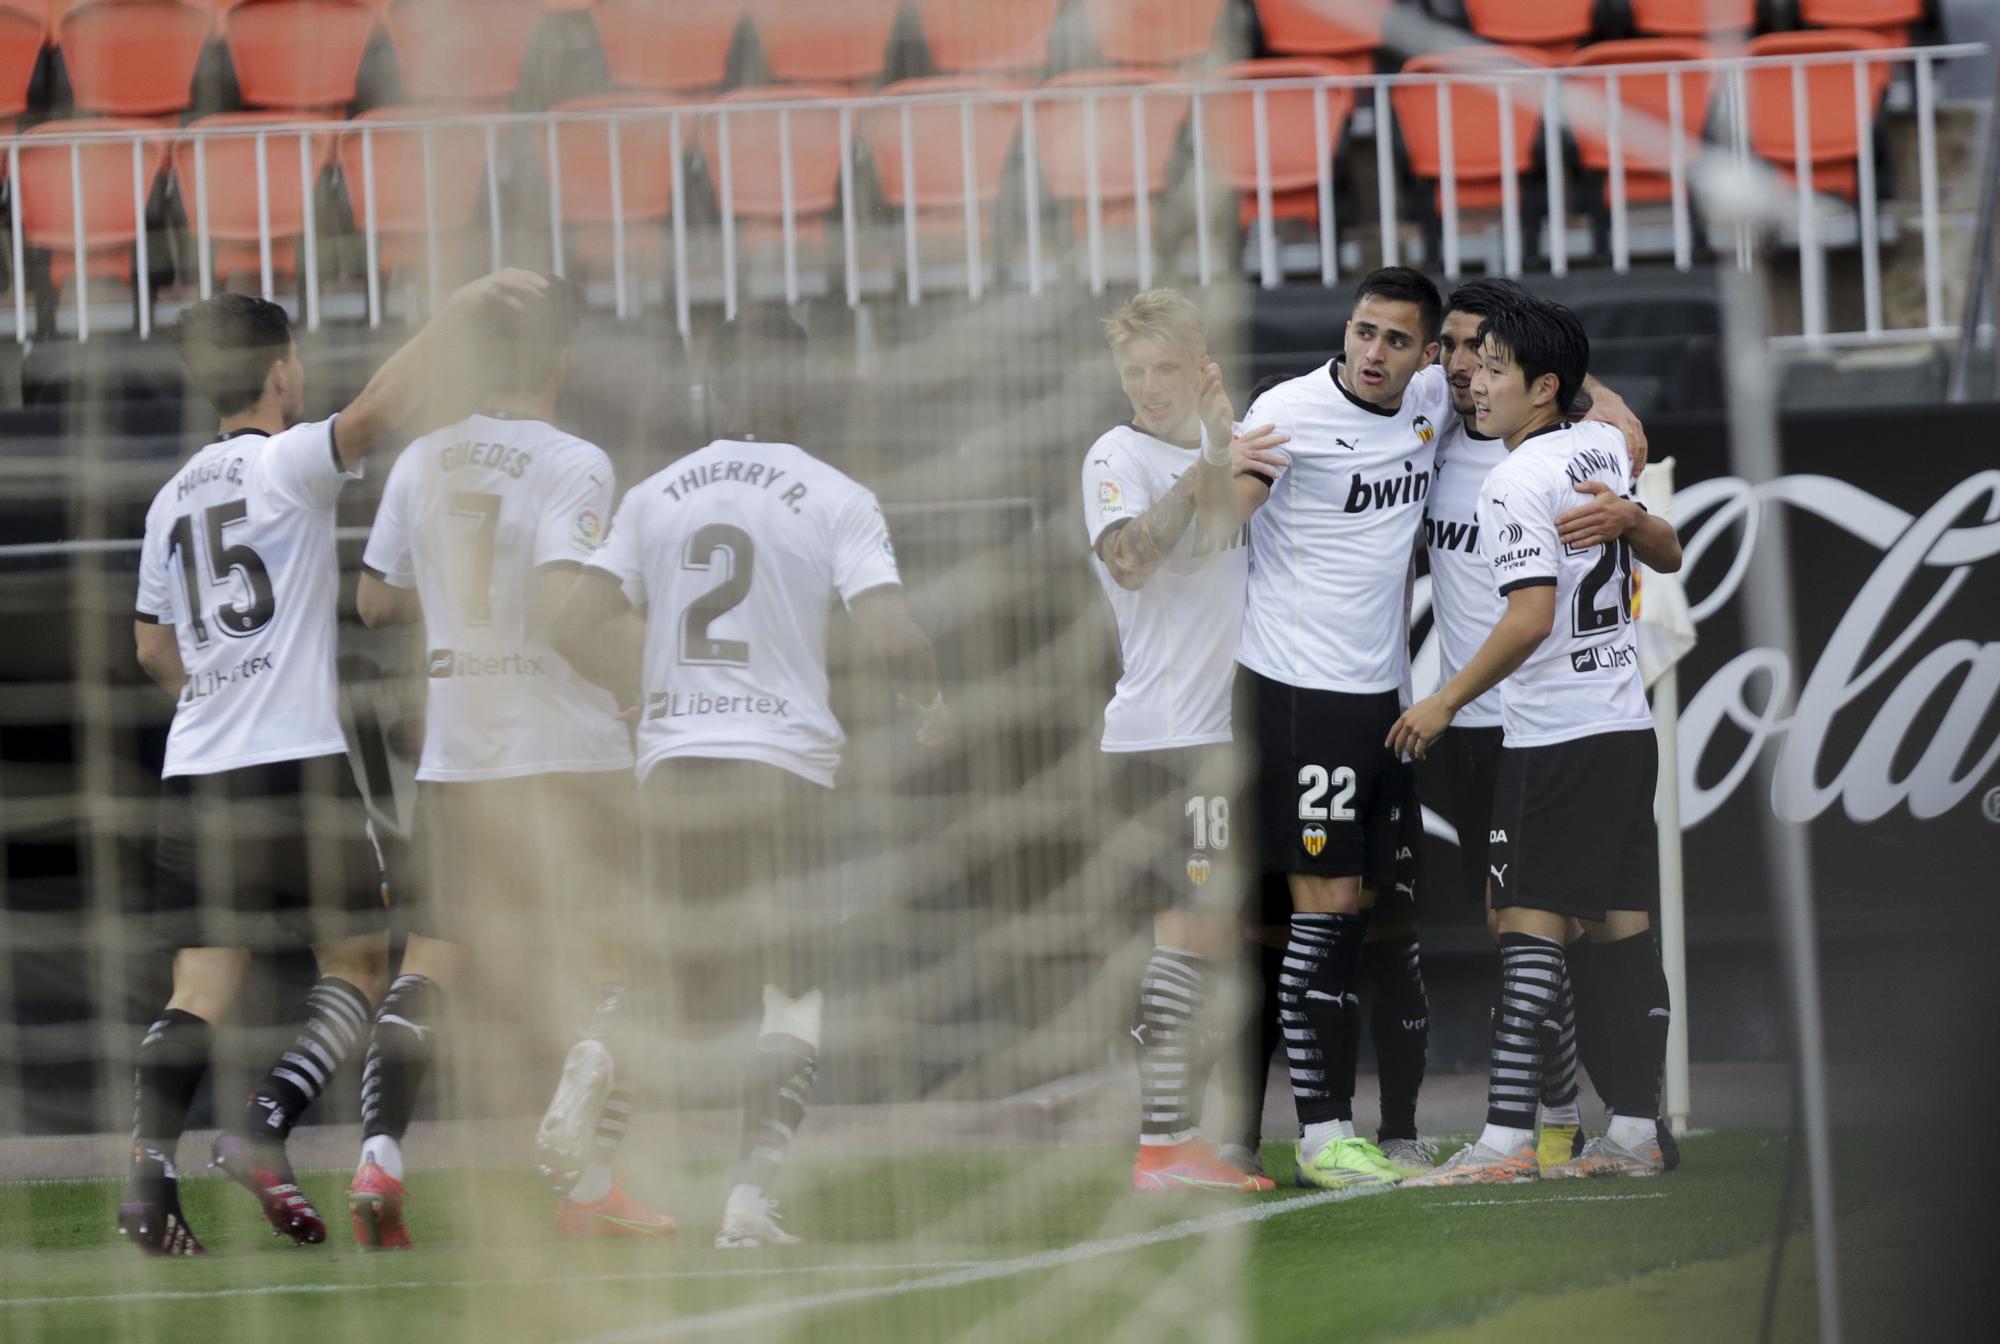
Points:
(1408, 488)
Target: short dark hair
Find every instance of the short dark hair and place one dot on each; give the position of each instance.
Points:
(1543, 337)
(521, 349)
(1400, 284)
(228, 344)
(1485, 295)
(757, 370)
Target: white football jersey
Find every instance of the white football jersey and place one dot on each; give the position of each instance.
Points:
(737, 551)
(1464, 607)
(1584, 678)
(239, 558)
(1330, 550)
(468, 516)
(1176, 632)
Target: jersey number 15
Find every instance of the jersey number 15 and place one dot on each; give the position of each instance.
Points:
(238, 620)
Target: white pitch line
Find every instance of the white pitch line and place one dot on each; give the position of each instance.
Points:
(993, 1269)
(404, 1285)
(1551, 1199)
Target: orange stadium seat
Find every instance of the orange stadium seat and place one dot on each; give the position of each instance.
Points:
(1693, 18)
(646, 49)
(109, 229)
(1647, 173)
(1231, 129)
(756, 187)
(645, 169)
(1833, 143)
(1475, 120)
(134, 58)
(24, 26)
(1061, 129)
(462, 50)
(230, 173)
(1557, 25)
(1153, 32)
(1890, 18)
(988, 38)
(458, 158)
(846, 42)
(937, 150)
(1308, 28)
(298, 53)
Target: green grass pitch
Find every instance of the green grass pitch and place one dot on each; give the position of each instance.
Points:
(1002, 1244)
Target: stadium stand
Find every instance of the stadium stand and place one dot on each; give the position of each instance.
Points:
(1832, 135)
(1891, 18)
(466, 51)
(1554, 25)
(936, 186)
(458, 163)
(1065, 132)
(1478, 156)
(228, 209)
(298, 54)
(1153, 32)
(1693, 18)
(133, 58)
(846, 43)
(1290, 137)
(23, 33)
(1644, 96)
(644, 51)
(645, 170)
(988, 39)
(108, 228)
(757, 158)
(1301, 28)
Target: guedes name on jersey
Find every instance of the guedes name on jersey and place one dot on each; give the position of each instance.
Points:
(1408, 488)
(746, 473)
(500, 456)
(219, 469)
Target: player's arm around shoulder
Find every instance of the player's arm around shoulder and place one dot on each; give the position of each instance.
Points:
(1604, 515)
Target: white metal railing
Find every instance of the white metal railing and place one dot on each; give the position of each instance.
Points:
(1517, 91)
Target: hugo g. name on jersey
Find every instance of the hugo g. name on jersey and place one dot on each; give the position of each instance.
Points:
(239, 558)
(1584, 678)
(1464, 607)
(1330, 550)
(1177, 631)
(468, 516)
(736, 550)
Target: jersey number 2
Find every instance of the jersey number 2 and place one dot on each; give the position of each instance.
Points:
(223, 561)
(1315, 781)
(698, 647)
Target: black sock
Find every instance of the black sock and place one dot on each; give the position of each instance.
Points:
(1594, 1048)
(1637, 986)
(1172, 991)
(399, 1055)
(1559, 1049)
(336, 1017)
(1399, 1023)
(1321, 1013)
(165, 1073)
(776, 1089)
(1531, 970)
(1259, 1040)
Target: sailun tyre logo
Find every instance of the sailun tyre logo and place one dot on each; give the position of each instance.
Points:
(1511, 534)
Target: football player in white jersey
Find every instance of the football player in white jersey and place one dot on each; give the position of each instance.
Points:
(525, 784)
(263, 840)
(1572, 831)
(1168, 549)
(735, 554)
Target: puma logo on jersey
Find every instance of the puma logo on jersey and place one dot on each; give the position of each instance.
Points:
(1348, 444)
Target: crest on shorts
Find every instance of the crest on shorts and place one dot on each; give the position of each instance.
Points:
(1197, 869)
(1313, 837)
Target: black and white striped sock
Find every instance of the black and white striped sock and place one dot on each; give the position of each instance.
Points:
(400, 1050)
(336, 1017)
(1531, 974)
(1319, 1010)
(1171, 994)
(776, 1091)
(1559, 1058)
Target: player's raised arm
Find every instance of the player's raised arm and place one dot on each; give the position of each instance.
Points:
(1605, 516)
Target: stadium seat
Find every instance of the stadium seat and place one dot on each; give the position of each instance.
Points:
(936, 146)
(1557, 26)
(134, 58)
(1305, 28)
(1152, 32)
(301, 54)
(1693, 18)
(1475, 120)
(756, 166)
(988, 39)
(1231, 134)
(109, 229)
(841, 43)
(1890, 18)
(645, 168)
(230, 172)
(24, 28)
(644, 49)
(1060, 126)
(1832, 136)
(458, 158)
(462, 50)
(1647, 173)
